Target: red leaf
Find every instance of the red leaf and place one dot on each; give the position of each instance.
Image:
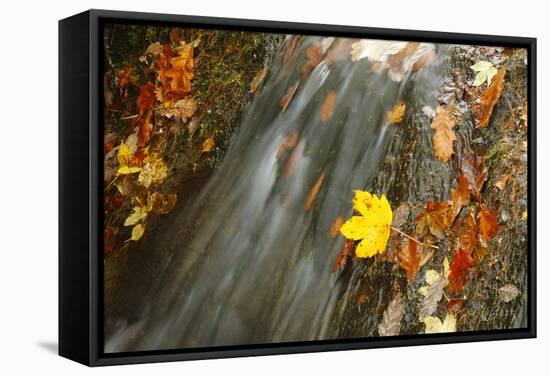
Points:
(347, 251)
(467, 232)
(459, 268)
(146, 98)
(145, 130)
(488, 226)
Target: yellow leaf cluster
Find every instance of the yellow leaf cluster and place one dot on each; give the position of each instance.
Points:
(125, 155)
(372, 226)
(153, 172)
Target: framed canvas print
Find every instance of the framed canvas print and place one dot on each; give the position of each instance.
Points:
(238, 187)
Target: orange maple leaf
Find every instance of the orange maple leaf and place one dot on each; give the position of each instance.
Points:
(488, 225)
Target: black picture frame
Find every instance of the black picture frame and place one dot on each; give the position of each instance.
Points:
(80, 187)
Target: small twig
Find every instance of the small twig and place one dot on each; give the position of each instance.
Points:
(413, 239)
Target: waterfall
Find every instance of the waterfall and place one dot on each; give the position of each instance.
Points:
(248, 261)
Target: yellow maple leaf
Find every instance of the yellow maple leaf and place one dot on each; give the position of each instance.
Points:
(372, 227)
(434, 324)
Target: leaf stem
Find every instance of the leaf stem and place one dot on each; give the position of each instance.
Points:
(413, 239)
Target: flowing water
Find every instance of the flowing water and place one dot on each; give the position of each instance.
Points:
(248, 261)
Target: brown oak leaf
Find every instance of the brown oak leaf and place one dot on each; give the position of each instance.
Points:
(444, 137)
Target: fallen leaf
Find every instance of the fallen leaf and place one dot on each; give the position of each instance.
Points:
(161, 204)
(208, 145)
(433, 293)
(289, 143)
(313, 54)
(314, 191)
(396, 115)
(125, 154)
(181, 72)
(434, 324)
(409, 259)
(180, 110)
(508, 293)
(139, 213)
(146, 98)
(488, 100)
(145, 129)
(460, 197)
(476, 172)
(488, 225)
(485, 72)
(372, 226)
(285, 100)
(346, 252)
(154, 49)
(335, 227)
(391, 319)
(125, 157)
(443, 138)
(460, 266)
(153, 172)
(137, 232)
(434, 218)
(401, 215)
(466, 231)
(328, 106)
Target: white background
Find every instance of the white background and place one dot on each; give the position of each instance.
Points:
(28, 185)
